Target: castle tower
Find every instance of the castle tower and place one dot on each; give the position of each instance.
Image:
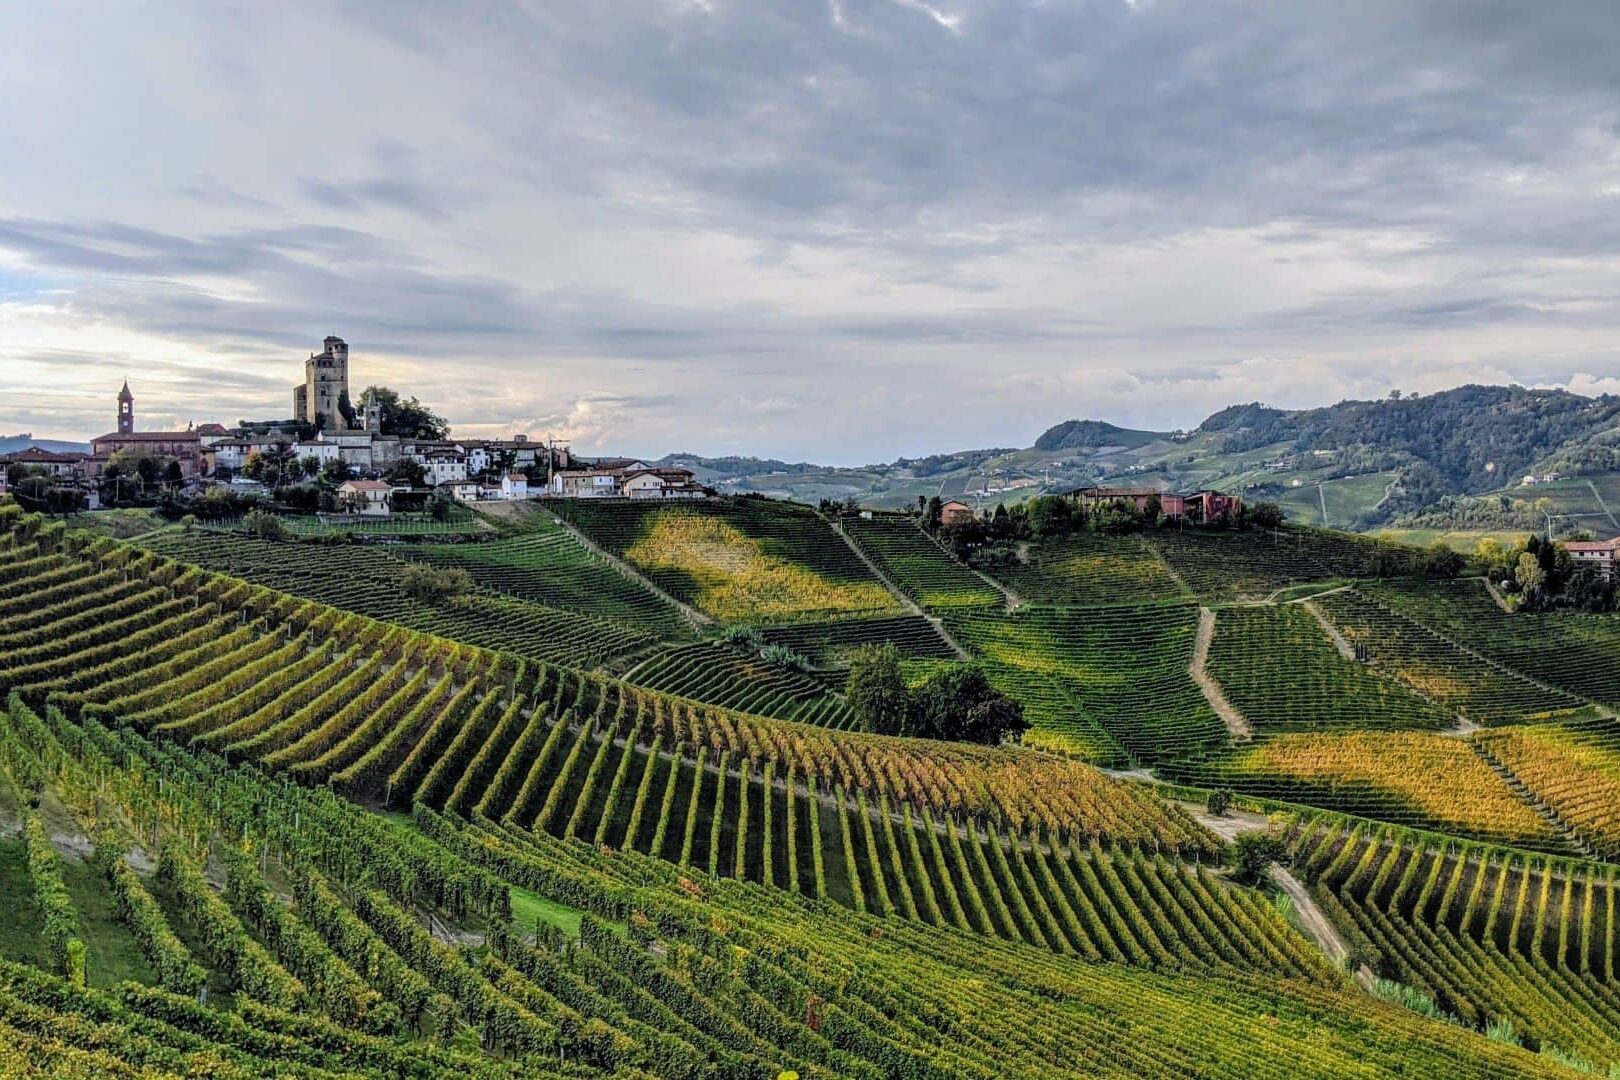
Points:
(322, 398)
(126, 410)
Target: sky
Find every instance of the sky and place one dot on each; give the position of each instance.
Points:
(841, 231)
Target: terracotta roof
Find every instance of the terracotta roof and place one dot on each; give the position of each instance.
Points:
(148, 436)
(35, 456)
(1595, 546)
(366, 485)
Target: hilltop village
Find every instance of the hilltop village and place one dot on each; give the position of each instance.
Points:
(339, 453)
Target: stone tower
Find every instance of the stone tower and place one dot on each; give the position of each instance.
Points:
(321, 398)
(126, 410)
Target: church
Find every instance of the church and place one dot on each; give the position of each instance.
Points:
(183, 446)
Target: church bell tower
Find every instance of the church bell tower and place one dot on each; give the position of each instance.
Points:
(126, 410)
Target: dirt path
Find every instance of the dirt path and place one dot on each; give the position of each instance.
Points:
(1234, 720)
(911, 605)
(1340, 642)
(1315, 923)
(693, 615)
(1597, 495)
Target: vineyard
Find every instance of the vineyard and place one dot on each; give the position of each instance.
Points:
(353, 946)
(830, 643)
(745, 560)
(1573, 770)
(718, 675)
(917, 565)
(549, 566)
(366, 581)
(1089, 568)
(1522, 943)
(263, 814)
(1405, 777)
(1435, 666)
(1279, 668)
(1575, 652)
(1119, 675)
(1233, 565)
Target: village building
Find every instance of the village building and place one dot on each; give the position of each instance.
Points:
(183, 446)
(50, 463)
(463, 490)
(625, 478)
(514, 486)
(369, 498)
(1595, 556)
(955, 512)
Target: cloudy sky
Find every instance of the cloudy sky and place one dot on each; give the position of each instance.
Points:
(841, 231)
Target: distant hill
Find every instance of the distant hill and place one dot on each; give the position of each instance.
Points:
(10, 444)
(1091, 434)
(1351, 465)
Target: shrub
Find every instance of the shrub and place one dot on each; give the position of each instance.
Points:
(1251, 853)
(264, 525)
(433, 585)
(1220, 801)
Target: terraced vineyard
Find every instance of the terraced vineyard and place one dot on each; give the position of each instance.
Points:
(548, 565)
(637, 964)
(830, 643)
(1437, 668)
(1404, 777)
(917, 565)
(1091, 568)
(1495, 936)
(251, 672)
(718, 675)
(1573, 769)
(750, 560)
(1576, 652)
(366, 581)
(1121, 675)
(1230, 565)
(1280, 669)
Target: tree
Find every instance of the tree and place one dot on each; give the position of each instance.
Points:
(1440, 560)
(309, 465)
(1252, 853)
(959, 703)
(1052, 515)
(1219, 802)
(1528, 573)
(264, 525)
(407, 472)
(876, 691)
(336, 471)
(409, 419)
(1266, 515)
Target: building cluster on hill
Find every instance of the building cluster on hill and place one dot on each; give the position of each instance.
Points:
(364, 461)
(1205, 505)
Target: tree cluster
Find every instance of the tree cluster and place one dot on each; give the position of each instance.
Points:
(955, 702)
(407, 418)
(1539, 575)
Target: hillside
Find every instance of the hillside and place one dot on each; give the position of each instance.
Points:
(1355, 464)
(575, 819)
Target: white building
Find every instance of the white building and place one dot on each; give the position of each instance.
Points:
(367, 497)
(1598, 556)
(514, 486)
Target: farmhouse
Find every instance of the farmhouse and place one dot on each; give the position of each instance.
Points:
(955, 512)
(1597, 556)
(367, 497)
(1204, 505)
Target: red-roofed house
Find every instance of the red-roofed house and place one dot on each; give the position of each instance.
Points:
(368, 497)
